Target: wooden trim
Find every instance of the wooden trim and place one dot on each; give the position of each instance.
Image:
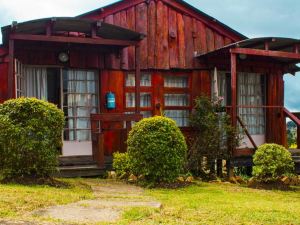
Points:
(267, 53)
(246, 132)
(137, 78)
(115, 117)
(76, 40)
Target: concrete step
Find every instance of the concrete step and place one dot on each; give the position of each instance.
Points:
(81, 171)
(294, 152)
(76, 160)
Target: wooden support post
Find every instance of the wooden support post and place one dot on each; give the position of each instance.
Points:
(137, 78)
(233, 103)
(233, 90)
(10, 79)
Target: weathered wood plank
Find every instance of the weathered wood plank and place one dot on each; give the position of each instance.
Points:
(124, 54)
(219, 41)
(210, 40)
(181, 40)
(131, 25)
(151, 34)
(173, 39)
(162, 43)
(189, 42)
(142, 27)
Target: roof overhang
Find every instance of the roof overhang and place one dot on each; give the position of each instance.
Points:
(274, 50)
(71, 30)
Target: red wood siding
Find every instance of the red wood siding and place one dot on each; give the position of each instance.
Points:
(3, 81)
(275, 129)
(173, 36)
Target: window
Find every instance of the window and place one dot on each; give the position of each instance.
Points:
(145, 95)
(177, 98)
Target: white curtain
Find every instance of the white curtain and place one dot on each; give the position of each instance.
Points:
(36, 82)
(181, 117)
(145, 99)
(80, 99)
(176, 81)
(176, 99)
(251, 93)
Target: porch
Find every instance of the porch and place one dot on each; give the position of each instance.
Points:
(61, 60)
(256, 67)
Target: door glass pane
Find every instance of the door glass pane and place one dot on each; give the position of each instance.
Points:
(80, 100)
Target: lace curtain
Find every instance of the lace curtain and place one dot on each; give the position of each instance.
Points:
(251, 92)
(80, 100)
(35, 80)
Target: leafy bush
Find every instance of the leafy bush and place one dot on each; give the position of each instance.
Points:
(30, 135)
(271, 161)
(157, 149)
(121, 163)
(213, 135)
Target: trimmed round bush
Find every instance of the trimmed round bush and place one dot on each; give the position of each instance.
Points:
(30, 137)
(121, 163)
(157, 149)
(272, 161)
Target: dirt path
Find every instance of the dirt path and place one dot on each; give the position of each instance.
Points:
(111, 199)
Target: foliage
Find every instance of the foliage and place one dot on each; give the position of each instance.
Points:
(271, 161)
(157, 149)
(291, 134)
(121, 163)
(30, 135)
(213, 136)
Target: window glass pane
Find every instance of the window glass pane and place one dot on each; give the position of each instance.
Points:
(176, 81)
(145, 80)
(145, 100)
(181, 117)
(146, 114)
(130, 80)
(130, 100)
(177, 100)
(83, 135)
(82, 123)
(91, 87)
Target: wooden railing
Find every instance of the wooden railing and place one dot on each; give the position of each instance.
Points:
(295, 118)
(107, 122)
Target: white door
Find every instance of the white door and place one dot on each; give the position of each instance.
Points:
(80, 99)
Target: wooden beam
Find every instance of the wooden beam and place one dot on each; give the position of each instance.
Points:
(233, 90)
(137, 78)
(257, 52)
(76, 40)
(247, 132)
(10, 79)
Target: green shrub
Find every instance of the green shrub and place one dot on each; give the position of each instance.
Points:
(30, 136)
(157, 149)
(121, 163)
(272, 161)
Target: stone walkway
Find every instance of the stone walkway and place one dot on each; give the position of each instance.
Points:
(111, 199)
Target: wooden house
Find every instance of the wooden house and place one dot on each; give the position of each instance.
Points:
(150, 56)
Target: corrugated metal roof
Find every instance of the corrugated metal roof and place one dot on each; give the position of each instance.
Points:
(71, 24)
(274, 43)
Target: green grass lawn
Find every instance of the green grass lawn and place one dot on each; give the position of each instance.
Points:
(16, 201)
(202, 203)
(219, 204)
